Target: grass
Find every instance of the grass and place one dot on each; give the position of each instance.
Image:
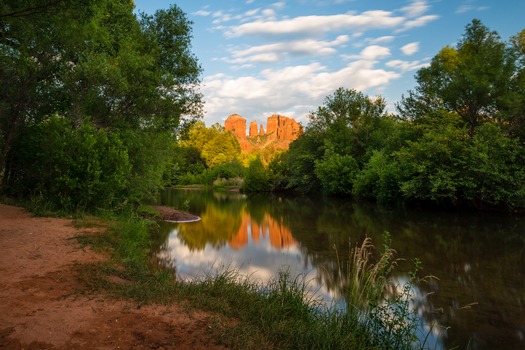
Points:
(281, 314)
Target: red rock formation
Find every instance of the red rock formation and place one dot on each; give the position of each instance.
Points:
(236, 124)
(273, 123)
(253, 129)
(283, 128)
(289, 130)
(281, 132)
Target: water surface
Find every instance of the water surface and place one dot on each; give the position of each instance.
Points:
(478, 300)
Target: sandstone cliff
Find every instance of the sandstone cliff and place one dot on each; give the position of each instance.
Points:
(280, 132)
(253, 129)
(237, 125)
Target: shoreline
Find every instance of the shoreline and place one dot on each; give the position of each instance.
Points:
(46, 303)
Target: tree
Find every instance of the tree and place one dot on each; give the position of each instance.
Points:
(92, 64)
(515, 118)
(345, 120)
(472, 80)
(256, 178)
(336, 173)
(214, 144)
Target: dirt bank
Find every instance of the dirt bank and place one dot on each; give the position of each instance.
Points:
(39, 308)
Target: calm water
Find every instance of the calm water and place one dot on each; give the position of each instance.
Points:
(478, 258)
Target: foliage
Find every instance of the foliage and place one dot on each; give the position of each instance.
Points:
(83, 168)
(345, 121)
(256, 178)
(379, 178)
(73, 66)
(447, 166)
(297, 166)
(383, 306)
(213, 147)
(336, 172)
(458, 139)
(471, 80)
(150, 153)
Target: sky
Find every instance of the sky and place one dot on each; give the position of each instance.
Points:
(285, 56)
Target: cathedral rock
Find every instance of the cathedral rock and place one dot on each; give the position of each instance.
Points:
(280, 132)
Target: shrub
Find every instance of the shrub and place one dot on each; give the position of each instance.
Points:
(74, 168)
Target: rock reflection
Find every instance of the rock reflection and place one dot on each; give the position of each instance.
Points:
(278, 234)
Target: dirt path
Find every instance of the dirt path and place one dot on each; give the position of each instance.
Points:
(39, 309)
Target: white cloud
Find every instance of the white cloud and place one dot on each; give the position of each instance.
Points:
(410, 49)
(277, 51)
(286, 89)
(268, 57)
(375, 52)
(202, 13)
(370, 53)
(252, 12)
(469, 8)
(416, 8)
(268, 12)
(316, 25)
(418, 22)
(406, 66)
(381, 39)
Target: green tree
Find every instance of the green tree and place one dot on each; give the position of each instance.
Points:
(73, 168)
(214, 144)
(345, 121)
(256, 178)
(379, 179)
(223, 148)
(93, 64)
(336, 172)
(515, 118)
(472, 80)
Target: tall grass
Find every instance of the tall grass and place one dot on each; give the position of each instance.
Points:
(382, 306)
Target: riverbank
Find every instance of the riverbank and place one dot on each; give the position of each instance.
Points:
(41, 306)
(95, 287)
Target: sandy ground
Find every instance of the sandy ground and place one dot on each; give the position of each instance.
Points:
(39, 308)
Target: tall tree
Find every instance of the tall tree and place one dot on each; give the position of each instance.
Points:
(471, 80)
(94, 63)
(516, 114)
(345, 119)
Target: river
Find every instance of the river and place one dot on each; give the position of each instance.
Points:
(476, 301)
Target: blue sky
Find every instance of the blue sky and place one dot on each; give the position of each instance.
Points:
(284, 56)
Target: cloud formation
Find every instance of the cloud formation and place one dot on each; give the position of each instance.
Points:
(275, 52)
(316, 25)
(275, 59)
(410, 49)
(292, 90)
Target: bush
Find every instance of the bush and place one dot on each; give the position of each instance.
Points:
(379, 179)
(85, 168)
(74, 168)
(256, 179)
(336, 173)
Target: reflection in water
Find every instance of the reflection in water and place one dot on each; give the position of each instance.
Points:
(479, 259)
